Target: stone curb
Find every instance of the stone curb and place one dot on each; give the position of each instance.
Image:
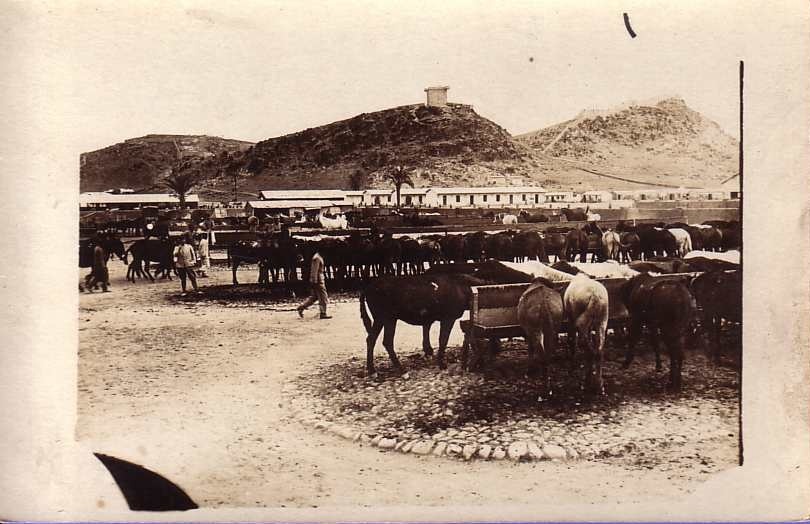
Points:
(518, 451)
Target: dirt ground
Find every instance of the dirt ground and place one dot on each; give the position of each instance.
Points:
(193, 390)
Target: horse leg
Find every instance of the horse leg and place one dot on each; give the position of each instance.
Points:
(234, 267)
(715, 327)
(655, 336)
(445, 327)
(675, 345)
(632, 340)
(597, 349)
(388, 342)
(426, 340)
(371, 341)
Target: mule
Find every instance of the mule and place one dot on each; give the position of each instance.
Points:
(540, 314)
(586, 306)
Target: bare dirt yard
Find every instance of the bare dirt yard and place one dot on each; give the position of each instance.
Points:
(222, 397)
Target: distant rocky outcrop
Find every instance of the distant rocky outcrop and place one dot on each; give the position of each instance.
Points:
(666, 142)
(141, 163)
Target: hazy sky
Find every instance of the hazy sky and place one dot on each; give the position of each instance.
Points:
(253, 70)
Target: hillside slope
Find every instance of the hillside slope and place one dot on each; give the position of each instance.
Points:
(443, 146)
(661, 144)
(141, 163)
(667, 143)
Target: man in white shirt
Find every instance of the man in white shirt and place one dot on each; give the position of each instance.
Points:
(184, 260)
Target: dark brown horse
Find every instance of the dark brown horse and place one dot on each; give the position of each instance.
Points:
(419, 300)
(576, 243)
(667, 308)
(719, 295)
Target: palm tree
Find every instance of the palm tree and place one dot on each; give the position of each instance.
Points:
(182, 180)
(398, 175)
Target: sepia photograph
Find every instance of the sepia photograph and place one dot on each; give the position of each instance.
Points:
(389, 261)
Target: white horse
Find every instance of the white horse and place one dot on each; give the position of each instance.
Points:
(586, 306)
(683, 241)
(339, 222)
(538, 269)
(509, 220)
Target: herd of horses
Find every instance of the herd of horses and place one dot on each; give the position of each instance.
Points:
(667, 308)
(429, 279)
(281, 258)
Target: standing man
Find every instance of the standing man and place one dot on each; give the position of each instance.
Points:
(205, 254)
(184, 260)
(99, 273)
(317, 284)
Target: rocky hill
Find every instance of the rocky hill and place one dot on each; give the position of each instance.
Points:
(442, 145)
(663, 143)
(141, 163)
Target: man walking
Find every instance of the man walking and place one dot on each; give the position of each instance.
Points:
(184, 260)
(317, 287)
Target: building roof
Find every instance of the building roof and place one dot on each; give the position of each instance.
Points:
(435, 88)
(303, 194)
(488, 190)
(289, 204)
(414, 190)
(379, 191)
(132, 198)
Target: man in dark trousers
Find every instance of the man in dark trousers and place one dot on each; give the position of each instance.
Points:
(317, 284)
(184, 261)
(99, 273)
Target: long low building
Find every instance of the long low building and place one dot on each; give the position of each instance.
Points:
(294, 208)
(102, 200)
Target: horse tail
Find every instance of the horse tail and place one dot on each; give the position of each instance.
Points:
(364, 313)
(592, 316)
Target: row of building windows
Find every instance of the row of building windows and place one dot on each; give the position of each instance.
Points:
(497, 199)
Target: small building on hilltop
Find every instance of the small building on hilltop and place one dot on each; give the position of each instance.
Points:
(436, 96)
(505, 179)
